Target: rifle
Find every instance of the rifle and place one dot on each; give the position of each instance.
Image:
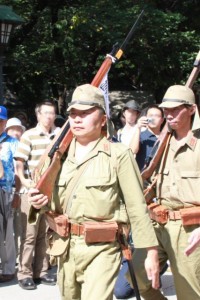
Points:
(160, 144)
(61, 142)
(127, 254)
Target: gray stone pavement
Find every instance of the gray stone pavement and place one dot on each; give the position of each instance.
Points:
(11, 290)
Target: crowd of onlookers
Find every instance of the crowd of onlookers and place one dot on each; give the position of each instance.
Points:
(21, 148)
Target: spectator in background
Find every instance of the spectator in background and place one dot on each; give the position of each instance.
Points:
(143, 140)
(33, 261)
(15, 129)
(131, 112)
(8, 199)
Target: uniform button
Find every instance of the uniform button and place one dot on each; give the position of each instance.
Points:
(74, 196)
(173, 183)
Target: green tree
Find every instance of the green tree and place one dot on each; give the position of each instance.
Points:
(63, 43)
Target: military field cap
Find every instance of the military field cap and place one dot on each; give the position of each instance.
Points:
(3, 113)
(85, 97)
(132, 104)
(14, 122)
(177, 95)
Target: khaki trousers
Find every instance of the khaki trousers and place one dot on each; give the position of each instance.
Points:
(89, 271)
(33, 260)
(173, 239)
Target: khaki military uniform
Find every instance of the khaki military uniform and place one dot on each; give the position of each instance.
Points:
(177, 187)
(89, 271)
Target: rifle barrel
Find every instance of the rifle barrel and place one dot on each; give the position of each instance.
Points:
(133, 279)
(130, 34)
(195, 72)
(59, 140)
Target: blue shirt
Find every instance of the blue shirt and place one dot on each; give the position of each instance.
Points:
(8, 147)
(147, 140)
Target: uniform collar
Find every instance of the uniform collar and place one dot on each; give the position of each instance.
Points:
(102, 145)
(196, 122)
(191, 141)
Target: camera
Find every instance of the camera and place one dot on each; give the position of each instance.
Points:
(149, 120)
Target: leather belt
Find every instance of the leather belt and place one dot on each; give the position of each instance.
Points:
(76, 229)
(174, 215)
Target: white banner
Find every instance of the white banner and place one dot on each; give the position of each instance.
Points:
(104, 87)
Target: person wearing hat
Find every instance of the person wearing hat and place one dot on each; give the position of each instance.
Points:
(177, 191)
(8, 147)
(93, 176)
(15, 128)
(131, 112)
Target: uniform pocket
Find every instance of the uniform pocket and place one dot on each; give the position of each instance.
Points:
(190, 180)
(100, 198)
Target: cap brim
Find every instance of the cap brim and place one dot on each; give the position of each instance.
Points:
(3, 118)
(80, 107)
(83, 106)
(170, 104)
(21, 126)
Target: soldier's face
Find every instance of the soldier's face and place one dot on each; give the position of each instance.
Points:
(87, 124)
(179, 117)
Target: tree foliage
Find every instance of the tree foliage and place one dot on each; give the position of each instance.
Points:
(62, 44)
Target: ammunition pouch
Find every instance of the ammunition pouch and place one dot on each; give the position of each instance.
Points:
(190, 215)
(158, 213)
(100, 232)
(93, 232)
(96, 232)
(58, 223)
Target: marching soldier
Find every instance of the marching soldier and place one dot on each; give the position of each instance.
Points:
(178, 198)
(106, 194)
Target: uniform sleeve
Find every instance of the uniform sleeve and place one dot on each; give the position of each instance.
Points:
(132, 189)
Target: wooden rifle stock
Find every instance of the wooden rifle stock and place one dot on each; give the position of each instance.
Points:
(163, 137)
(61, 142)
(47, 180)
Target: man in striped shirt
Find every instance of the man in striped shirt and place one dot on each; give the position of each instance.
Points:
(33, 260)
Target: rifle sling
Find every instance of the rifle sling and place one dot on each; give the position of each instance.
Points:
(163, 162)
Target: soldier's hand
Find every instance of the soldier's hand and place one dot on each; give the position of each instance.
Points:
(194, 241)
(152, 267)
(36, 199)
